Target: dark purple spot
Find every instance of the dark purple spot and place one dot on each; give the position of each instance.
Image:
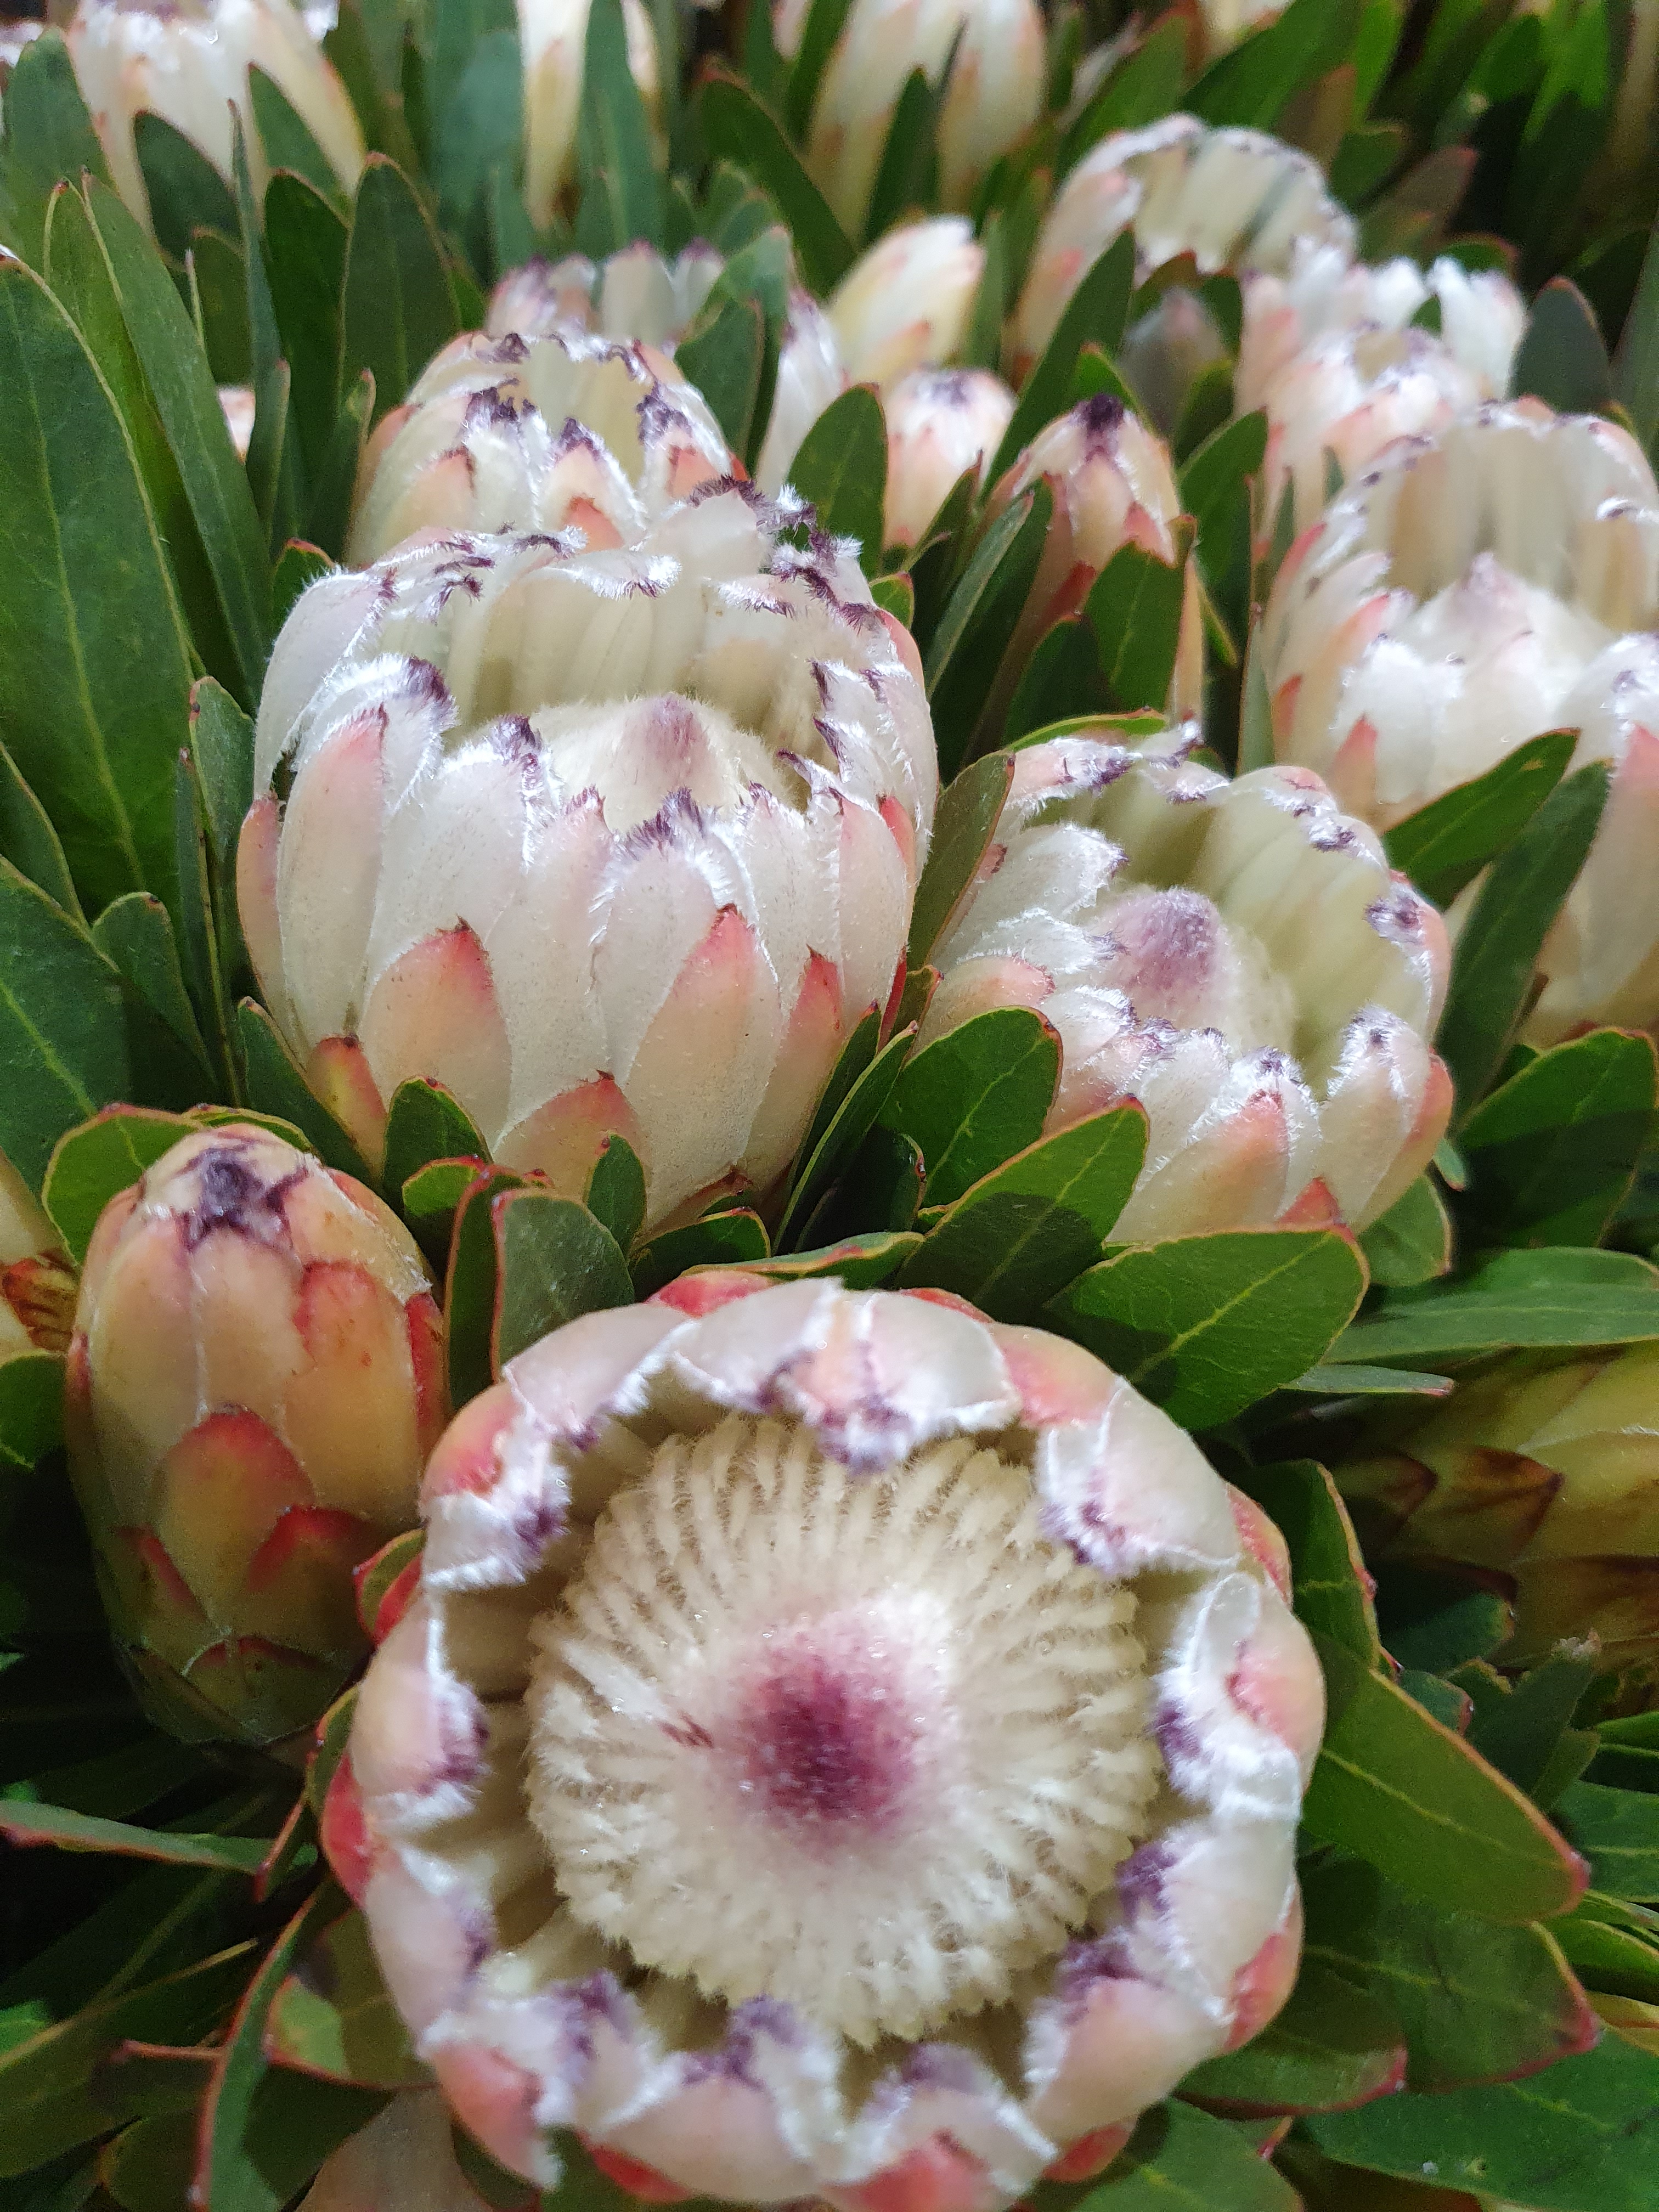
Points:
(826, 1748)
(1140, 1879)
(230, 1195)
(1100, 417)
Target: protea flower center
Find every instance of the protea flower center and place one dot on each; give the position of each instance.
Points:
(867, 1743)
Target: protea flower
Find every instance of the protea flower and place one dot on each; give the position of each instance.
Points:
(1113, 485)
(255, 1381)
(187, 61)
(1233, 199)
(1469, 592)
(556, 432)
(906, 303)
(553, 41)
(37, 1283)
(1236, 956)
(995, 93)
(869, 1768)
(701, 766)
(940, 422)
(1548, 1471)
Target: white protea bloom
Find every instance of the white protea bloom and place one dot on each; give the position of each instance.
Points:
(553, 41)
(1233, 199)
(187, 61)
(604, 840)
(1471, 589)
(1236, 956)
(995, 92)
(1113, 485)
(906, 304)
(839, 1748)
(940, 422)
(556, 432)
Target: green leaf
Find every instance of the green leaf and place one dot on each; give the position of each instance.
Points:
(1520, 1727)
(1135, 606)
(1445, 844)
(1206, 1325)
(300, 566)
(1438, 1621)
(740, 130)
(306, 239)
(1584, 2137)
(1178, 2159)
(1477, 2001)
(1618, 1831)
(1250, 84)
(1545, 1299)
(1405, 1794)
(332, 2016)
(1499, 946)
(555, 1262)
(1331, 1589)
(968, 646)
(968, 810)
(622, 192)
(80, 1832)
(288, 141)
(330, 504)
(187, 195)
(842, 468)
(975, 1097)
(49, 137)
(862, 1263)
(1412, 1241)
(1563, 358)
(276, 1084)
(895, 595)
(95, 675)
(852, 1104)
(472, 1285)
(148, 2166)
(398, 305)
(1020, 1235)
(1095, 315)
(735, 1239)
(477, 151)
(1333, 2045)
(616, 1190)
(95, 1163)
(906, 176)
(1611, 1959)
(1553, 1154)
(28, 841)
(819, 32)
(1334, 1379)
(199, 933)
(135, 934)
(1140, 89)
(31, 1406)
(427, 1122)
(722, 355)
(1636, 362)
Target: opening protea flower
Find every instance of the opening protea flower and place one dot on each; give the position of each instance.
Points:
(187, 61)
(1232, 198)
(1468, 593)
(605, 841)
(838, 1747)
(543, 433)
(255, 1381)
(994, 95)
(940, 422)
(1236, 956)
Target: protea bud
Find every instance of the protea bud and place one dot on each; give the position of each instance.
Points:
(403, 2158)
(255, 1381)
(1236, 956)
(1468, 593)
(556, 432)
(995, 92)
(906, 303)
(940, 422)
(187, 61)
(870, 1768)
(553, 41)
(1113, 485)
(704, 760)
(1232, 198)
(37, 1283)
(236, 404)
(1547, 1470)
(1224, 22)
(810, 374)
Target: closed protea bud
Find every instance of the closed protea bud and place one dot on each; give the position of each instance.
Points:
(1113, 485)
(1469, 592)
(940, 422)
(556, 432)
(1547, 1470)
(255, 1381)
(906, 303)
(1233, 199)
(1236, 956)
(553, 42)
(187, 61)
(995, 93)
(701, 766)
(37, 1283)
(839, 1748)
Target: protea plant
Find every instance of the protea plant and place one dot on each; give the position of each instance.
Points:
(1236, 956)
(869, 1768)
(187, 61)
(255, 1379)
(1471, 589)
(703, 762)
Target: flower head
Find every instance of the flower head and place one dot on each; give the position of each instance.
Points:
(255, 1381)
(836, 1743)
(1236, 956)
(614, 840)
